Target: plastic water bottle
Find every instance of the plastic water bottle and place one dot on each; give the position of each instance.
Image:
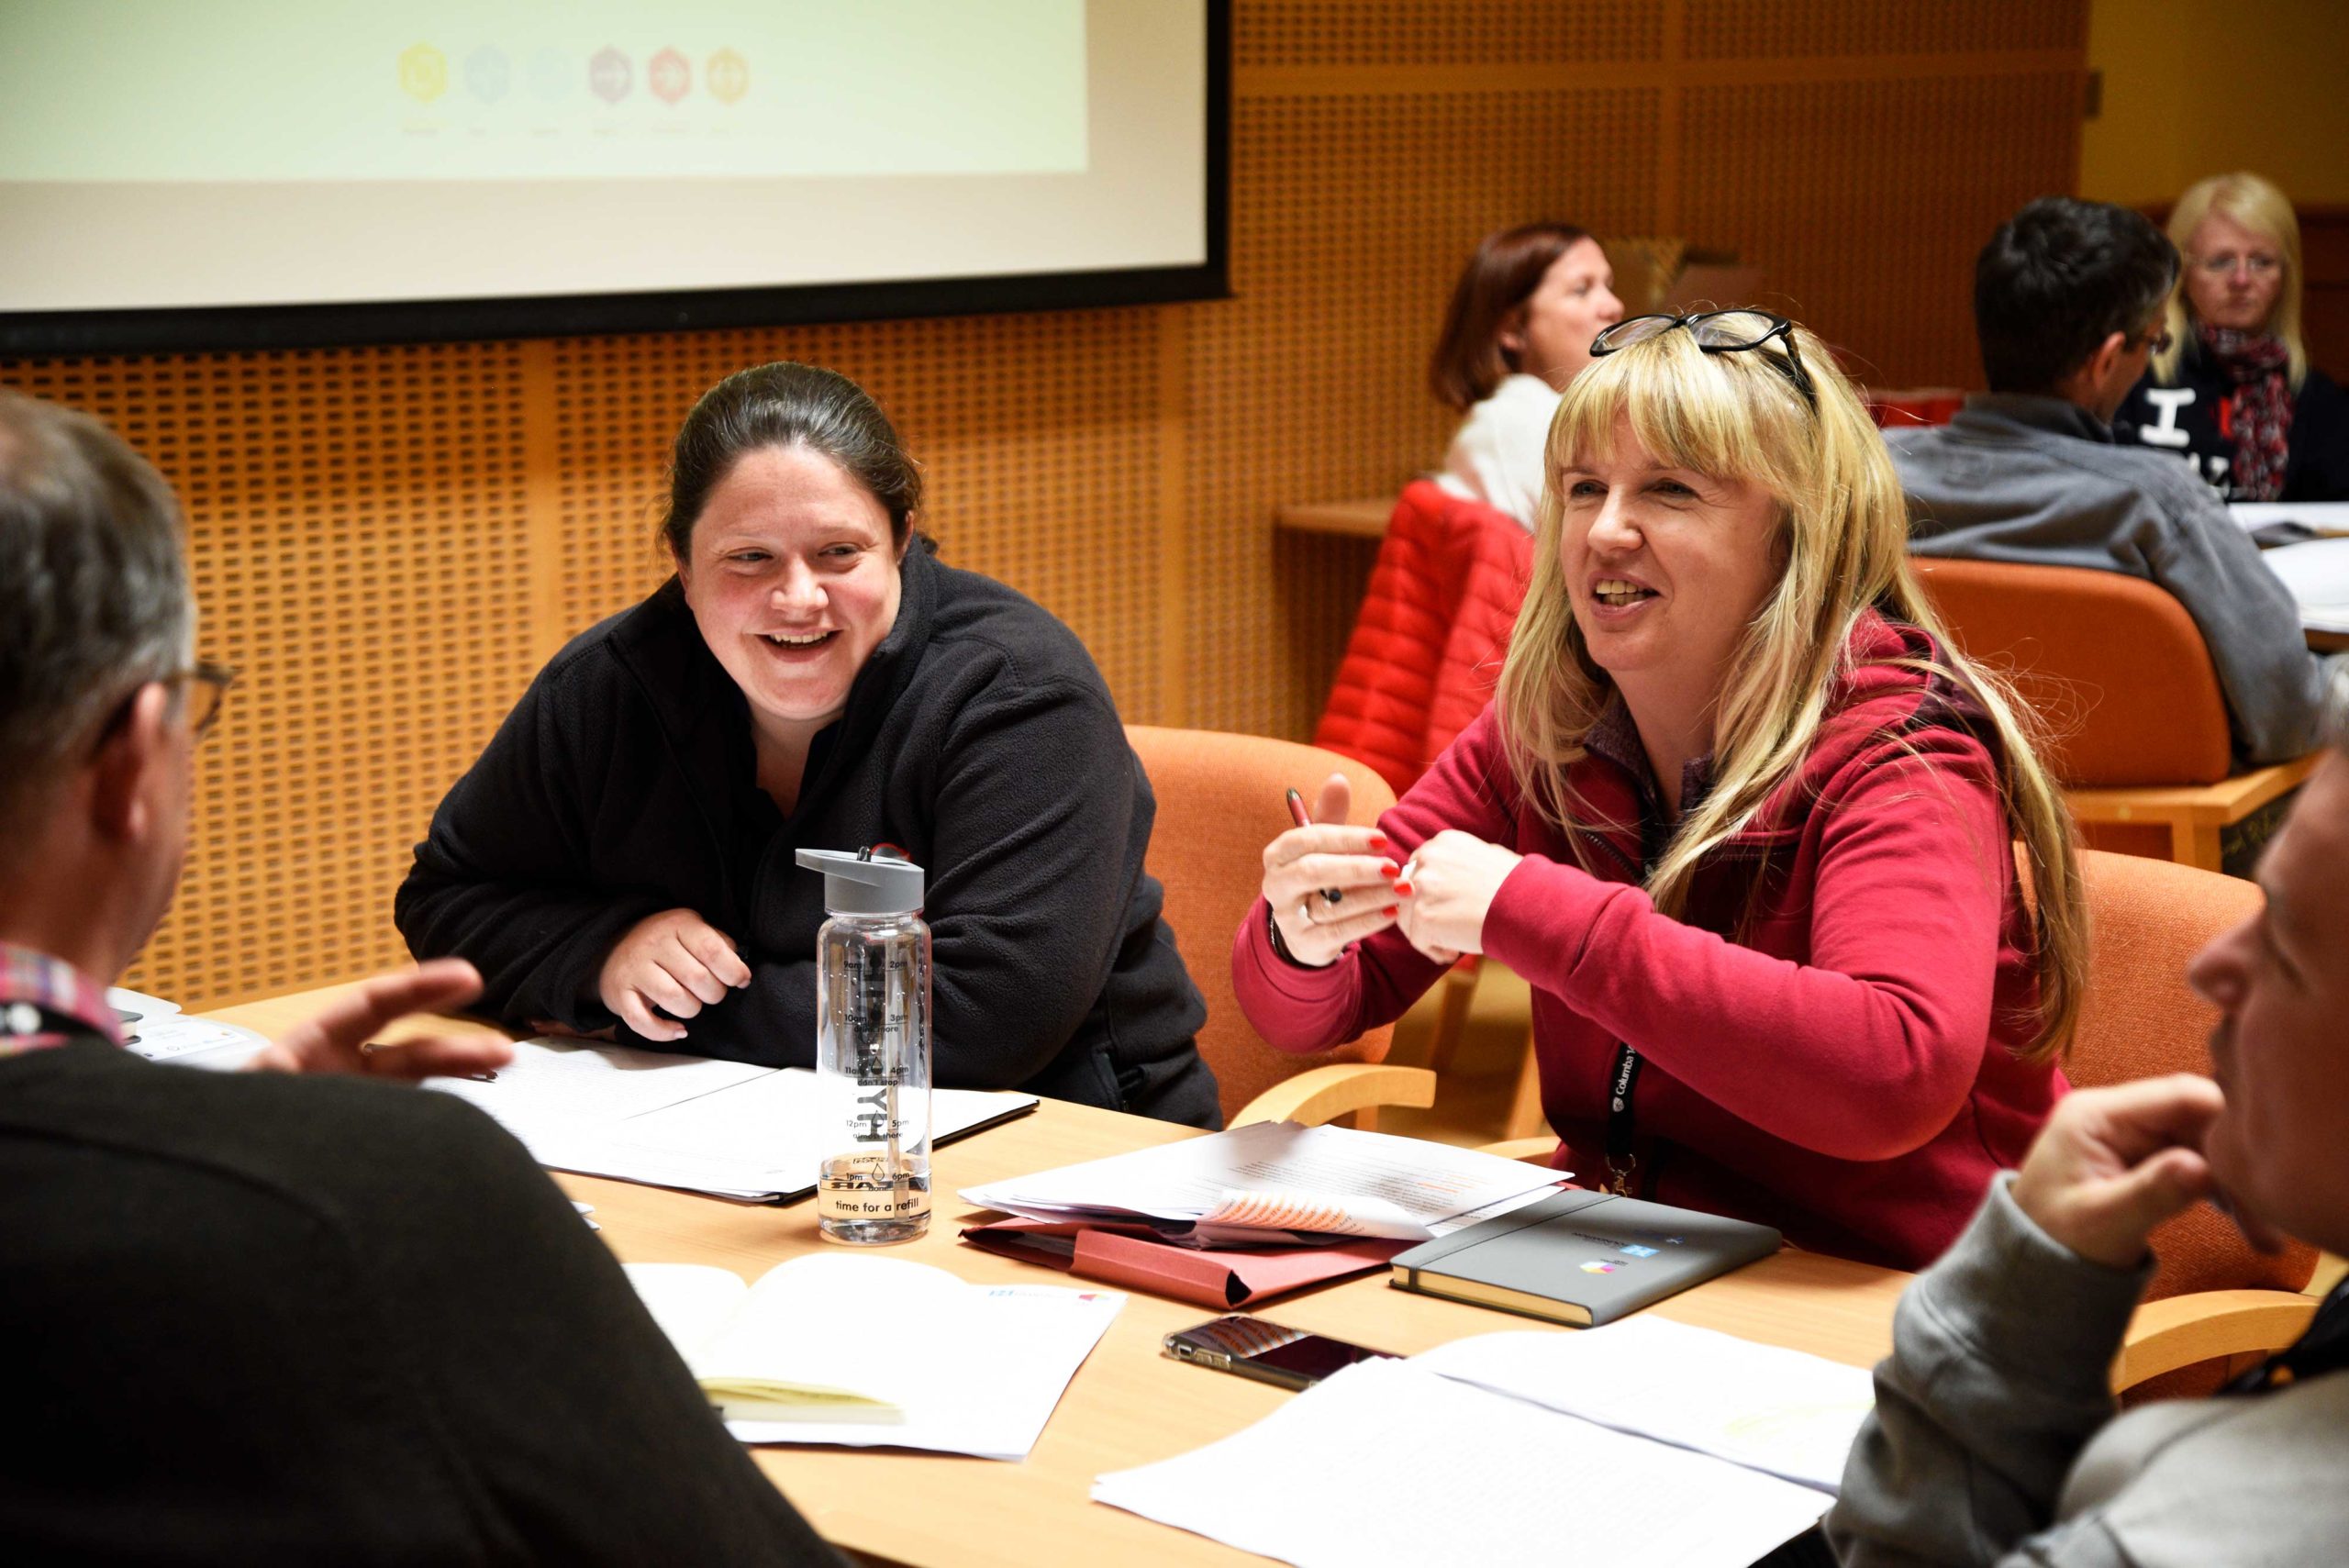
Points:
(872, 1048)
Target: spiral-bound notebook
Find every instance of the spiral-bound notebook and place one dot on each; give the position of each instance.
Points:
(1582, 1257)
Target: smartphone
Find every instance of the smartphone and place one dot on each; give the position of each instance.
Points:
(1266, 1351)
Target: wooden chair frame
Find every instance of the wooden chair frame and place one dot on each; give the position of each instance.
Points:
(1322, 1094)
(2195, 815)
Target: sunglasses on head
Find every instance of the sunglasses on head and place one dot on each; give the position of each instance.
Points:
(1718, 332)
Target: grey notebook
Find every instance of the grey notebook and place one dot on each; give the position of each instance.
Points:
(1582, 1257)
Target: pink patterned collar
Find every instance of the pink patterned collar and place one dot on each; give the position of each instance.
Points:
(45, 1001)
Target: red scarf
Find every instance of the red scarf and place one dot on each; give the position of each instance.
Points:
(2256, 416)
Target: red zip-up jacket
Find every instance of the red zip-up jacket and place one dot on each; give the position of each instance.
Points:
(1827, 1038)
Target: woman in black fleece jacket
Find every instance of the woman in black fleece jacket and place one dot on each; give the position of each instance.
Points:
(621, 856)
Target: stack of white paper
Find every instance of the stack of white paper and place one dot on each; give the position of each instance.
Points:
(1389, 1463)
(160, 1031)
(727, 1128)
(1770, 1409)
(2328, 517)
(2317, 573)
(1279, 1182)
(865, 1351)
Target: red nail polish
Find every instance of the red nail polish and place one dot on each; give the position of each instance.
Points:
(1391, 911)
(1378, 840)
(1389, 869)
(1403, 888)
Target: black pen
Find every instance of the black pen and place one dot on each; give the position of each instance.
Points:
(1305, 819)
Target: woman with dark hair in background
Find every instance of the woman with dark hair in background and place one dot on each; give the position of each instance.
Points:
(2233, 393)
(1522, 317)
(620, 859)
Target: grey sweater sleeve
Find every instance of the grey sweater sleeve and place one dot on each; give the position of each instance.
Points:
(2273, 685)
(1996, 1380)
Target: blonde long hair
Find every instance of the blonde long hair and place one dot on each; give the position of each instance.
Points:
(1738, 416)
(2259, 206)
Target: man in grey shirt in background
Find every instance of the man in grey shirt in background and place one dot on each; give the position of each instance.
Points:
(1993, 1439)
(2067, 305)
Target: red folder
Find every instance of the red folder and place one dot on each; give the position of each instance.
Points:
(1135, 1260)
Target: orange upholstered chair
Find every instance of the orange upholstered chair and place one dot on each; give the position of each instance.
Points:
(1222, 798)
(2120, 672)
(2211, 1294)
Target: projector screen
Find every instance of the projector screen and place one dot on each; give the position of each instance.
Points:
(246, 173)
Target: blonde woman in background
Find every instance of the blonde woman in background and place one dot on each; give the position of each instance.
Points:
(1739, 813)
(2235, 393)
(1517, 330)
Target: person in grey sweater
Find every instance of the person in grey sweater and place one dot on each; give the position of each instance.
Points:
(1993, 1439)
(2067, 305)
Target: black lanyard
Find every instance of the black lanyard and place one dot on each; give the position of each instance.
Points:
(1623, 1120)
(1623, 1080)
(23, 1020)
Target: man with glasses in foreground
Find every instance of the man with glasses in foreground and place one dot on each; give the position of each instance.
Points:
(275, 1316)
(2068, 298)
(1993, 1439)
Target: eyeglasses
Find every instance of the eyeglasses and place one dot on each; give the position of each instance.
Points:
(2156, 341)
(207, 686)
(207, 695)
(2257, 263)
(1718, 332)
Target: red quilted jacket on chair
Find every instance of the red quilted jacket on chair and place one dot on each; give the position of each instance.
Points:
(1425, 650)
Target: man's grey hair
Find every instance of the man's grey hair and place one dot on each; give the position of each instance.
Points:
(94, 591)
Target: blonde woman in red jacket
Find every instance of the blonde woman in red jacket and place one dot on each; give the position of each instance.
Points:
(1739, 813)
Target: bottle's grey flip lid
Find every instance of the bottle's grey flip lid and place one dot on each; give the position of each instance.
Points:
(866, 883)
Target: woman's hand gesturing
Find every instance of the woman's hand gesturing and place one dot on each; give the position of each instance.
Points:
(1447, 890)
(674, 961)
(1305, 864)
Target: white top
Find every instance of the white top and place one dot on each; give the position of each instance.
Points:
(1496, 456)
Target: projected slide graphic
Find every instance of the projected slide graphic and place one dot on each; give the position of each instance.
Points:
(582, 165)
(256, 90)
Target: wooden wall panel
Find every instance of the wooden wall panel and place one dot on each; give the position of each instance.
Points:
(1766, 29)
(357, 546)
(1901, 184)
(1351, 216)
(1413, 33)
(388, 542)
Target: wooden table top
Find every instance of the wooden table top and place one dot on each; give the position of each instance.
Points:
(1129, 1405)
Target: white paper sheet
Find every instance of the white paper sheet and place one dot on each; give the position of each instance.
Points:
(2324, 517)
(2317, 573)
(1761, 1406)
(1279, 1177)
(974, 1368)
(186, 1041)
(727, 1128)
(1386, 1463)
(554, 1079)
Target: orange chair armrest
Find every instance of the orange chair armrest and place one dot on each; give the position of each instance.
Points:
(1324, 1094)
(2226, 803)
(2181, 1330)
